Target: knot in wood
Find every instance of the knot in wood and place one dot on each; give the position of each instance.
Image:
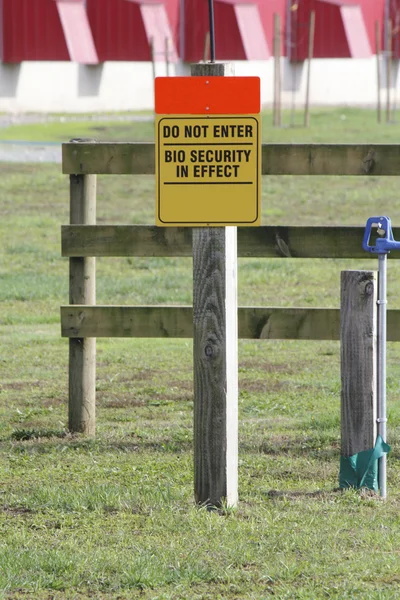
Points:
(368, 162)
(209, 351)
(369, 288)
(282, 249)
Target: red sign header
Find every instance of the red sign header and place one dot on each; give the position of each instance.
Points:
(207, 95)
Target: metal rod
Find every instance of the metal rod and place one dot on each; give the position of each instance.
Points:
(381, 408)
(182, 29)
(212, 30)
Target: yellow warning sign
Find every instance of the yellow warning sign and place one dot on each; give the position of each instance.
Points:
(208, 170)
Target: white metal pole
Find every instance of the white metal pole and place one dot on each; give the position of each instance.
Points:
(381, 408)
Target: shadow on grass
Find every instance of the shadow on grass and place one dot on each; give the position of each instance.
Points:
(336, 492)
(48, 440)
(324, 449)
(23, 435)
(302, 494)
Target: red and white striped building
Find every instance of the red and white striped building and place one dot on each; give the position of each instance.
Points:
(72, 55)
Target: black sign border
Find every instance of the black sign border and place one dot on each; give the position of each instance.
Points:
(207, 223)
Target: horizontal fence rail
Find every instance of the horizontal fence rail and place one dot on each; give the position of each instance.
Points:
(177, 322)
(135, 158)
(215, 322)
(266, 241)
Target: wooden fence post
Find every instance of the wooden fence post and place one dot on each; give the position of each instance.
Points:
(215, 347)
(206, 51)
(378, 68)
(389, 60)
(167, 56)
(82, 290)
(311, 35)
(358, 335)
(277, 114)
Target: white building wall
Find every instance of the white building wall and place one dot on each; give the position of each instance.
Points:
(125, 86)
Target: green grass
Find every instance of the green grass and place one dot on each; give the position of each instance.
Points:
(342, 124)
(114, 517)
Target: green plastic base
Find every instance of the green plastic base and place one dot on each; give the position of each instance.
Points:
(361, 470)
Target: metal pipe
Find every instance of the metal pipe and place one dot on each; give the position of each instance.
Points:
(212, 30)
(182, 30)
(381, 408)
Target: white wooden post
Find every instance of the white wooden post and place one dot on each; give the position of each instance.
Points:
(215, 347)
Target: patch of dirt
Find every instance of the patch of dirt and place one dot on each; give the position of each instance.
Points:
(16, 510)
(144, 375)
(21, 594)
(300, 495)
(20, 385)
(30, 432)
(118, 401)
(8, 168)
(278, 445)
(296, 495)
(268, 367)
(176, 391)
(51, 402)
(261, 386)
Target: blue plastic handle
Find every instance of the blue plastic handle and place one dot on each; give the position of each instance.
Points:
(385, 243)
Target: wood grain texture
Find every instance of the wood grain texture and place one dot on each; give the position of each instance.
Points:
(82, 290)
(214, 365)
(358, 333)
(137, 158)
(311, 34)
(109, 158)
(126, 240)
(215, 353)
(277, 104)
(265, 241)
(177, 322)
(127, 321)
(289, 323)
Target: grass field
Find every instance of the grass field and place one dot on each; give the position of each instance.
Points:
(114, 517)
(326, 125)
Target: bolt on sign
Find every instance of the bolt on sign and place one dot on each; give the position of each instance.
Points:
(208, 151)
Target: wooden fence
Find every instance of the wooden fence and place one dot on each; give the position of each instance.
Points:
(82, 321)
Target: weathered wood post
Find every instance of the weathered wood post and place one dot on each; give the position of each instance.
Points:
(311, 35)
(82, 290)
(206, 51)
(167, 55)
(378, 68)
(277, 114)
(389, 60)
(358, 334)
(215, 347)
